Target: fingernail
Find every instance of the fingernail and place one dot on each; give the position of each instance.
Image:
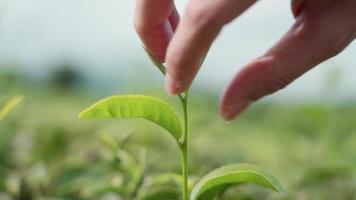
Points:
(234, 110)
(173, 87)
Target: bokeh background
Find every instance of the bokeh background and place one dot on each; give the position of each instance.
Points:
(64, 55)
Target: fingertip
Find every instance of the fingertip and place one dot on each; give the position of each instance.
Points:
(230, 111)
(173, 86)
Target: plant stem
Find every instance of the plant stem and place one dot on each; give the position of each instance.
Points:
(185, 172)
(184, 143)
(184, 147)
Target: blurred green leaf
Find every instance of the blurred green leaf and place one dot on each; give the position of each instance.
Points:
(216, 181)
(108, 142)
(136, 106)
(9, 105)
(161, 193)
(137, 176)
(161, 187)
(113, 144)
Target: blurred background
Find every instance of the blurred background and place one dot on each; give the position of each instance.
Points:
(61, 56)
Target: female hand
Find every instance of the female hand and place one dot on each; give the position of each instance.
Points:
(322, 29)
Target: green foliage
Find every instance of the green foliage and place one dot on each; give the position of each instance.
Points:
(217, 181)
(131, 165)
(159, 112)
(161, 187)
(9, 106)
(135, 184)
(85, 167)
(136, 106)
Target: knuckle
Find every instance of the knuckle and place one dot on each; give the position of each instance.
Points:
(202, 15)
(336, 28)
(334, 40)
(336, 44)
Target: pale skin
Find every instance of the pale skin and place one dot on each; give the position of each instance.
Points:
(322, 29)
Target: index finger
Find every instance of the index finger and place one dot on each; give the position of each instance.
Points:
(200, 25)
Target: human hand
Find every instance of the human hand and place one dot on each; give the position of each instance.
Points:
(322, 29)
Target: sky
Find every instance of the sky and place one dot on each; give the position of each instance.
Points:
(99, 38)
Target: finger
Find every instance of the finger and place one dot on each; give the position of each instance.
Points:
(174, 18)
(200, 25)
(313, 39)
(304, 5)
(153, 20)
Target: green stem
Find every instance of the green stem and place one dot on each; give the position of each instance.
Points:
(185, 173)
(184, 147)
(184, 143)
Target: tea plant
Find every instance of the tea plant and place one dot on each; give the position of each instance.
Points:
(213, 185)
(126, 168)
(134, 183)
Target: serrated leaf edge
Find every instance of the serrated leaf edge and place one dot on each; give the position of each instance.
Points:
(82, 113)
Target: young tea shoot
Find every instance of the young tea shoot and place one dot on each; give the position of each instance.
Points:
(209, 187)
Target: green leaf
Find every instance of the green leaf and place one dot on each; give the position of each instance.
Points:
(217, 180)
(109, 142)
(161, 187)
(137, 174)
(9, 105)
(136, 106)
